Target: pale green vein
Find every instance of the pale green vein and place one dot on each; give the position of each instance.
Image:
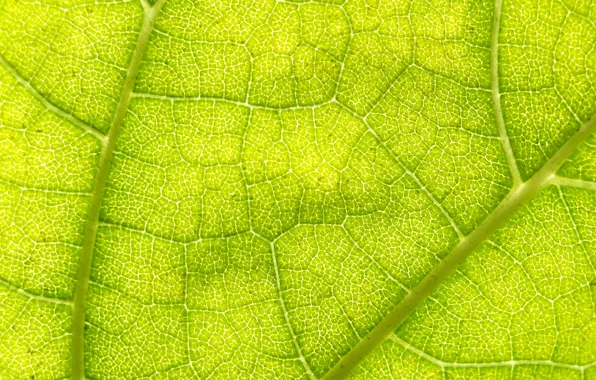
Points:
(32, 296)
(42, 190)
(571, 182)
(301, 357)
(187, 312)
(411, 174)
(578, 234)
(510, 363)
(279, 290)
(496, 94)
(47, 104)
(516, 198)
(200, 98)
(91, 226)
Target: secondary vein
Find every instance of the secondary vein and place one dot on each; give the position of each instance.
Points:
(509, 363)
(50, 106)
(496, 93)
(408, 172)
(572, 182)
(92, 223)
(16, 289)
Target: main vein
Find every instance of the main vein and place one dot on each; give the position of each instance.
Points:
(517, 197)
(520, 194)
(78, 318)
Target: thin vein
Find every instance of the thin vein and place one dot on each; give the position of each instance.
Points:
(145, 232)
(187, 313)
(411, 174)
(32, 296)
(286, 315)
(578, 234)
(42, 190)
(50, 106)
(442, 363)
(227, 101)
(496, 94)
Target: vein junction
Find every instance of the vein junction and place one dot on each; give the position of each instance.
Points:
(518, 197)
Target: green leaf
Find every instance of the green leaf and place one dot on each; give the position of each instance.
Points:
(285, 189)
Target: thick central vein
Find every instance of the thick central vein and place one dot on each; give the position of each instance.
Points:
(521, 193)
(92, 223)
(516, 198)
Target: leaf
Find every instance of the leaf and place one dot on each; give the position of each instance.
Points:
(277, 189)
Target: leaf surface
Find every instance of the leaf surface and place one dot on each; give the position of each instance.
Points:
(278, 189)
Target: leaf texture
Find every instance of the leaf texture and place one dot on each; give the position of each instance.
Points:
(297, 189)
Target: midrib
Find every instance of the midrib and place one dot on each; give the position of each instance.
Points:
(516, 198)
(92, 222)
(519, 195)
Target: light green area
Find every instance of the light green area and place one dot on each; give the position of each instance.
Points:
(268, 189)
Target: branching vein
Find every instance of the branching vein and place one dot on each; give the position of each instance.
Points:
(78, 325)
(40, 98)
(517, 197)
(496, 94)
(571, 182)
(510, 363)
